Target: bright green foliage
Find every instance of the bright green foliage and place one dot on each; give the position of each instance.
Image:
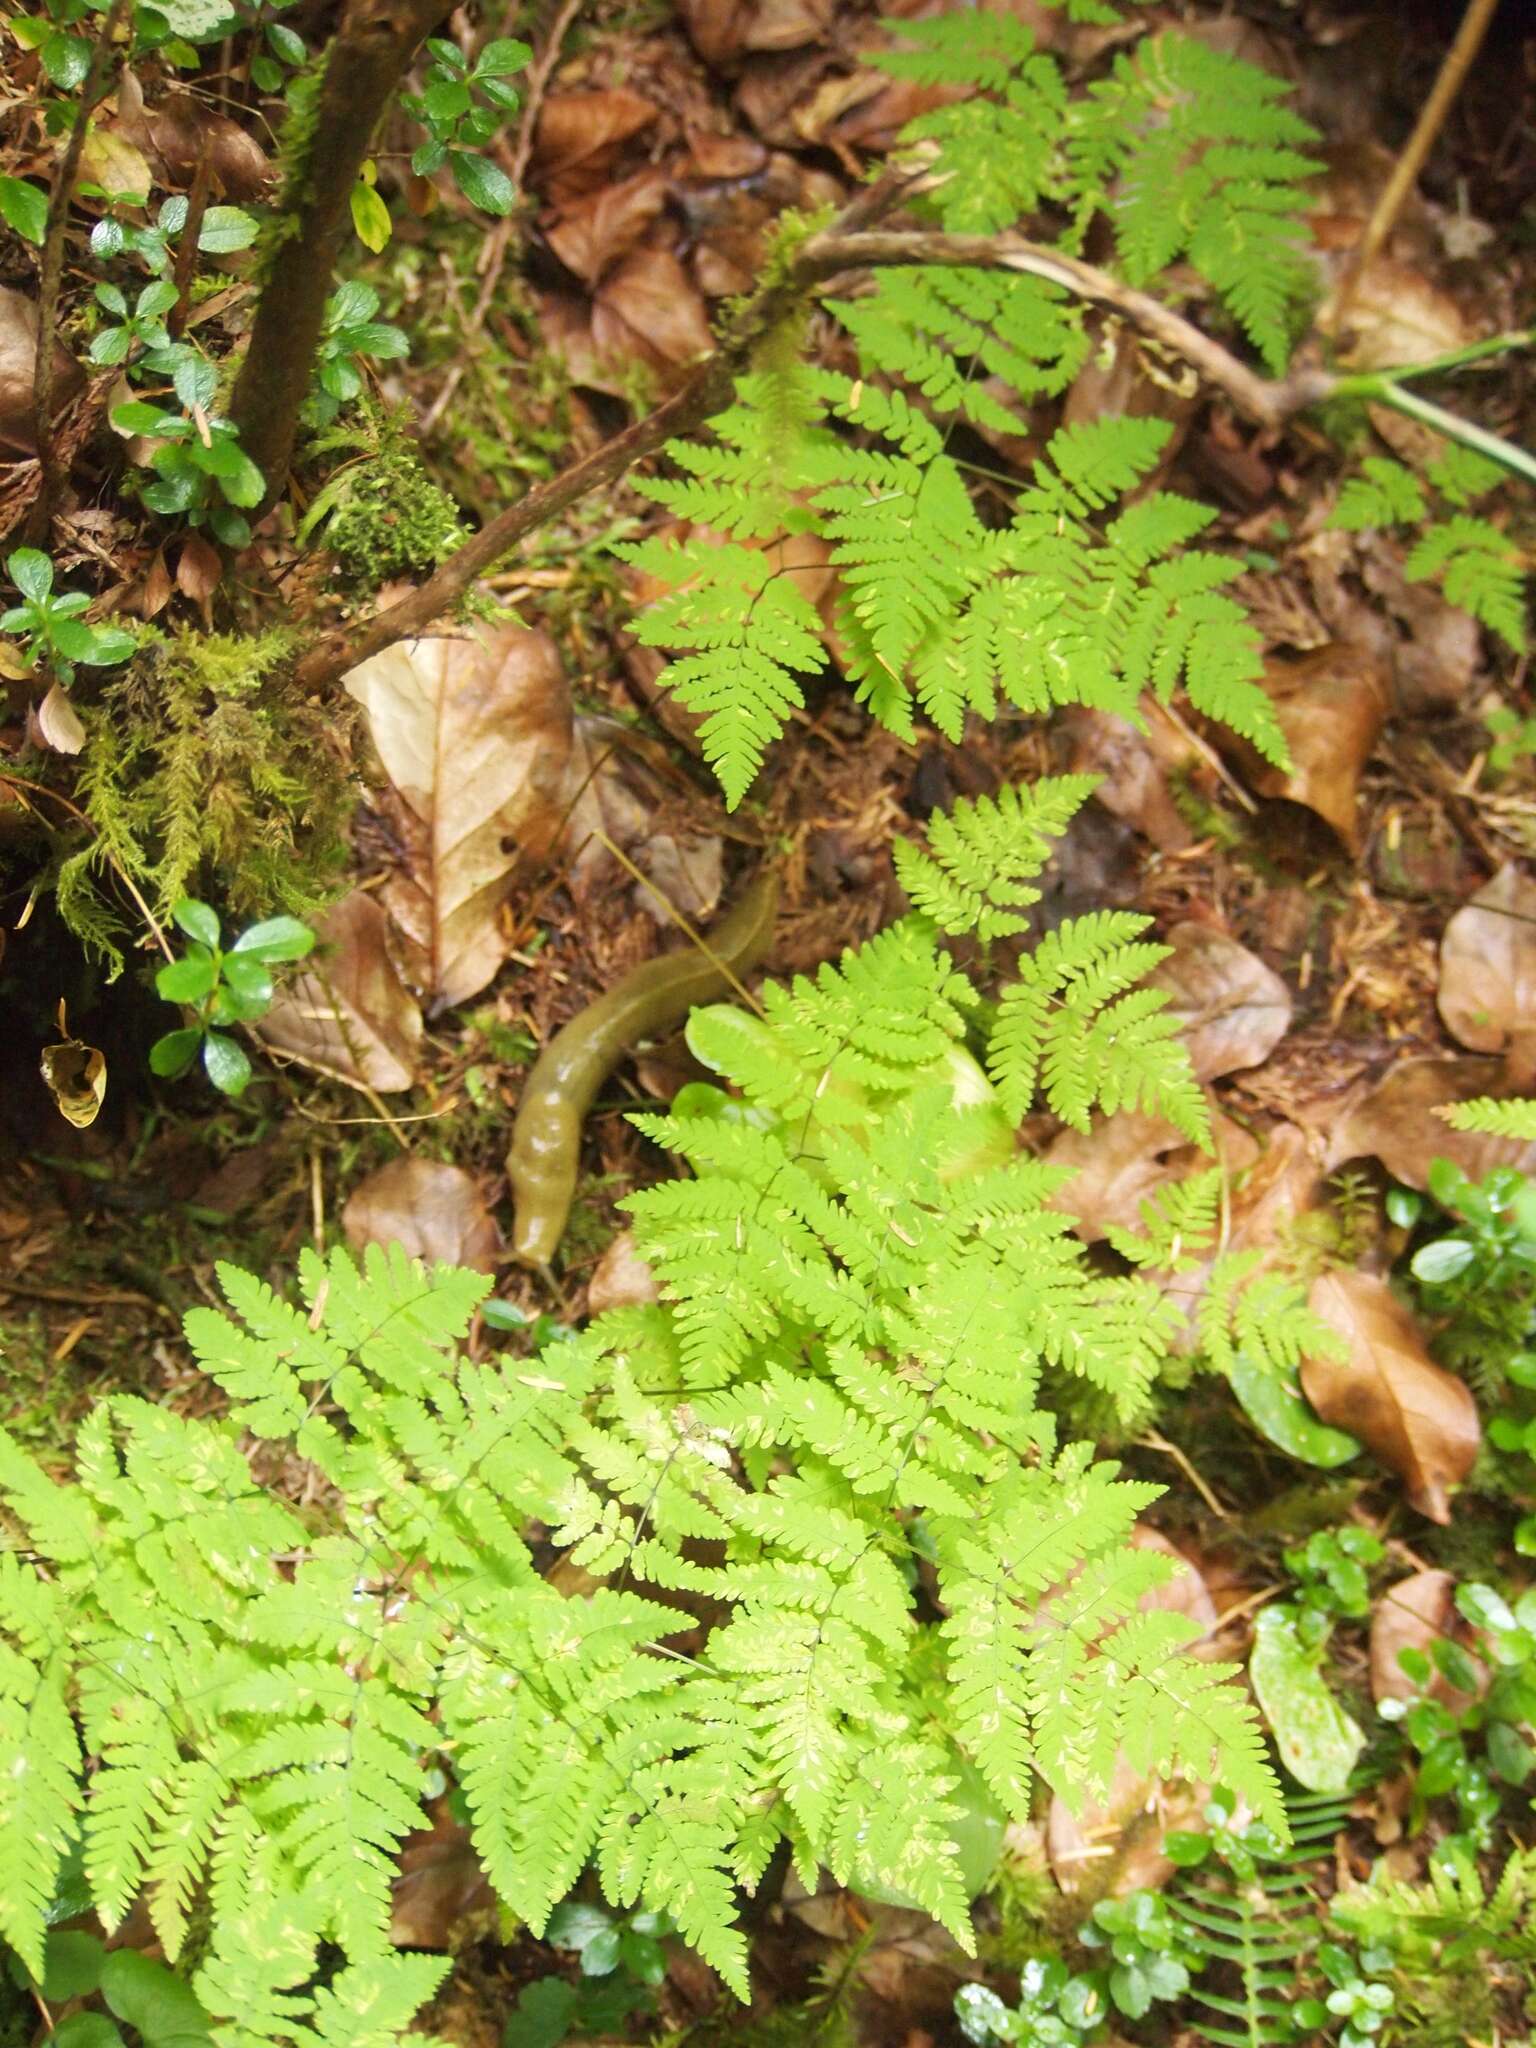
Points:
(1065, 600)
(221, 988)
(1188, 152)
(1452, 1918)
(981, 856)
(1251, 1908)
(1516, 1119)
(1475, 564)
(1193, 153)
(843, 1375)
(1059, 607)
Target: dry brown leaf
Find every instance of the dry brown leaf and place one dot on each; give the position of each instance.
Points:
(1232, 1010)
(1396, 1124)
(1438, 657)
(350, 1014)
(18, 355)
(722, 30)
(1125, 1159)
(435, 1211)
(585, 128)
(58, 722)
(440, 1885)
(1395, 315)
(621, 1278)
(651, 310)
(1331, 705)
(198, 569)
(599, 227)
(1415, 1614)
(1113, 1846)
(1415, 1418)
(110, 160)
(181, 132)
(1488, 970)
(1133, 768)
(76, 1077)
(475, 735)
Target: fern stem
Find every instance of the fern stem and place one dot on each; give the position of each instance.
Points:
(1508, 454)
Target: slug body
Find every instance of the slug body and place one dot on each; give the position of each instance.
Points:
(654, 999)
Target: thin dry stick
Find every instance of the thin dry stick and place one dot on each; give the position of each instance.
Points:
(501, 235)
(1458, 62)
(51, 272)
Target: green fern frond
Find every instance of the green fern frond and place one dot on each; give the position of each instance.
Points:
(1193, 152)
(982, 855)
(1514, 1119)
(1479, 569)
(1383, 494)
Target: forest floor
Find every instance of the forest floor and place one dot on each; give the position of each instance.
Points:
(1328, 1008)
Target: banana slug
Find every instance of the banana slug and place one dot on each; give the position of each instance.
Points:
(654, 998)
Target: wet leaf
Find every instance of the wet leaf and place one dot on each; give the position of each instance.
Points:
(1415, 1614)
(435, 1211)
(1318, 1742)
(1331, 705)
(1488, 968)
(350, 1015)
(1275, 1405)
(475, 735)
(1232, 1010)
(1415, 1418)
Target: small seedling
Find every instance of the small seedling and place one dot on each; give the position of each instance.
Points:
(57, 637)
(223, 988)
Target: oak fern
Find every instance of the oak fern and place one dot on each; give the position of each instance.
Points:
(1067, 595)
(237, 1703)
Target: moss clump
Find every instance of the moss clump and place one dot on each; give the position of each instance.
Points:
(380, 514)
(203, 774)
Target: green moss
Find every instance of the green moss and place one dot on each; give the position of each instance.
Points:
(379, 513)
(204, 774)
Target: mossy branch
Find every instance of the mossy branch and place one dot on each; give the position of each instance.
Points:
(364, 66)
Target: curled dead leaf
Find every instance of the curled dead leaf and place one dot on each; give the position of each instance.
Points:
(349, 1014)
(1331, 705)
(1232, 1010)
(433, 1210)
(76, 1076)
(1487, 992)
(475, 735)
(58, 722)
(1415, 1418)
